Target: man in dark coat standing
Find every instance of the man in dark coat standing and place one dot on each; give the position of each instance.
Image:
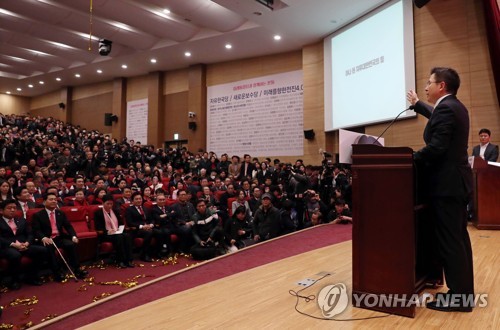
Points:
(450, 183)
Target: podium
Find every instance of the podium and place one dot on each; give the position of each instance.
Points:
(393, 252)
(486, 194)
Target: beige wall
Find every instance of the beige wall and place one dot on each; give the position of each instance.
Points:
(11, 104)
(447, 33)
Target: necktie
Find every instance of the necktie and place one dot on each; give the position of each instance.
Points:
(141, 212)
(12, 226)
(53, 224)
(25, 208)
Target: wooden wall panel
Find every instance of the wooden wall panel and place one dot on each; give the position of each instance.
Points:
(45, 100)
(82, 92)
(137, 88)
(89, 112)
(13, 104)
(175, 116)
(312, 64)
(49, 111)
(176, 81)
(222, 73)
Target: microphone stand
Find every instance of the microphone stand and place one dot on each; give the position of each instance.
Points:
(411, 107)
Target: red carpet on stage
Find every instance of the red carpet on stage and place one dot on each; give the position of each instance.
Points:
(68, 294)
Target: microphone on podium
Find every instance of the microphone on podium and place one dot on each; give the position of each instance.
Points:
(411, 107)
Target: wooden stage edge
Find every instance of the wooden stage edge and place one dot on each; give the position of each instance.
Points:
(259, 297)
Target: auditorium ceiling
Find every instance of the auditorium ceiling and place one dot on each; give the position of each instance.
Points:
(44, 44)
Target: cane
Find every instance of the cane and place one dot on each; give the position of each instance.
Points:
(69, 268)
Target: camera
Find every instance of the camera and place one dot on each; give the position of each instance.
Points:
(104, 47)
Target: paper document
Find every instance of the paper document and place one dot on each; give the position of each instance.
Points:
(119, 230)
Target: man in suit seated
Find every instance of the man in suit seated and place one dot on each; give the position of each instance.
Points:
(181, 213)
(485, 150)
(163, 221)
(16, 240)
(143, 226)
(50, 226)
(23, 198)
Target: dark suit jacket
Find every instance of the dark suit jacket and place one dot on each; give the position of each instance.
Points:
(490, 154)
(156, 214)
(249, 171)
(135, 219)
(42, 228)
(31, 205)
(445, 153)
(23, 232)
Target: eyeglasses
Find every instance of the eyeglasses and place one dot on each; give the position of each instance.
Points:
(427, 84)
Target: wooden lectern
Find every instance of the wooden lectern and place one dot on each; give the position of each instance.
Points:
(486, 194)
(393, 246)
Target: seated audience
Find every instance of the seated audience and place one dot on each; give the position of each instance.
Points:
(52, 228)
(208, 235)
(266, 222)
(107, 224)
(16, 240)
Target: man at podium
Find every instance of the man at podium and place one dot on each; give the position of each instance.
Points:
(485, 149)
(450, 183)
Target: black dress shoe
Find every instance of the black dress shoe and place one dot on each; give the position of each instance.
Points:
(122, 265)
(58, 277)
(81, 274)
(448, 305)
(130, 264)
(146, 258)
(14, 285)
(36, 282)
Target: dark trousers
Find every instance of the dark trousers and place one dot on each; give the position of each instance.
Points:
(184, 233)
(122, 244)
(454, 245)
(70, 254)
(38, 254)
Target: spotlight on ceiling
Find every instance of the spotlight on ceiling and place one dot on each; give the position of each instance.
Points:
(104, 47)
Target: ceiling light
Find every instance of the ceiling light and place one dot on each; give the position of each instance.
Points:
(153, 60)
(41, 82)
(166, 11)
(99, 71)
(124, 66)
(30, 86)
(277, 37)
(19, 89)
(7, 92)
(77, 75)
(228, 46)
(58, 79)
(187, 54)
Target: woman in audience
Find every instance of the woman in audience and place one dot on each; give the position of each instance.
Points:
(178, 187)
(79, 199)
(242, 201)
(5, 190)
(99, 193)
(108, 225)
(147, 195)
(156, 184)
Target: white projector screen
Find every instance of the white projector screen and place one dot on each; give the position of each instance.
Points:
(369, 66)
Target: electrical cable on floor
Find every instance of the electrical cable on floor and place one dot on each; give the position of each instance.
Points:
(313, 297)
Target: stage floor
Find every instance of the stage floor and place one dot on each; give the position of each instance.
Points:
(259, 298)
